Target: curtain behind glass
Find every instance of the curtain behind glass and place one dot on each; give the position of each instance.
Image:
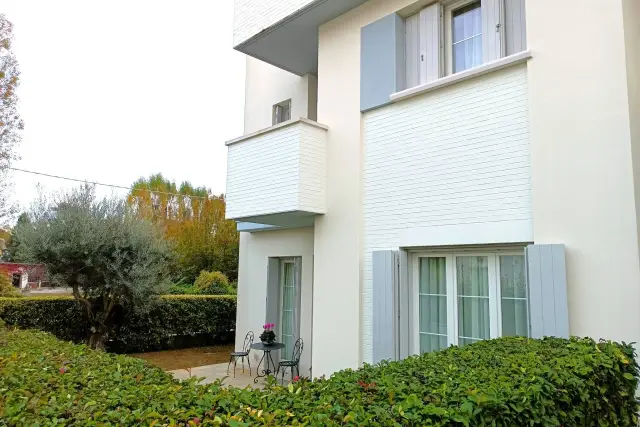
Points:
(288, 300)
(433, 304)
(513, 288)
(467, 37)
(472, 275)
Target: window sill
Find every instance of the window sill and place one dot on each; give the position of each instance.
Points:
(490, 67)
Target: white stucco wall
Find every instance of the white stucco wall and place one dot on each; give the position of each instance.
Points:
(267, 85)
(255, 251)
(449, 167)
(583, 187)
(338, 240)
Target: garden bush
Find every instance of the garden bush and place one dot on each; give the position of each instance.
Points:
(6, 287)
(183, 289)
(213, 283)
(505, 382)
(173, 321)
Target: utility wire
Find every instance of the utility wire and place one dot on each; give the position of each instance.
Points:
(106, 185)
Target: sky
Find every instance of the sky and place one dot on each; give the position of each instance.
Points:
(118, 90)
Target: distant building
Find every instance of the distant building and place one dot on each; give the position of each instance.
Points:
(25, 276)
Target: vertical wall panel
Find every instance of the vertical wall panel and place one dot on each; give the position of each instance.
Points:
(430, 30)
(547, 284)
(384, 283)
(412, 51)
(515, 26)
(492, 31)
(382, 61)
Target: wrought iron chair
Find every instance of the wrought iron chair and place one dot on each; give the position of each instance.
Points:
(246, 349)
(292, 363)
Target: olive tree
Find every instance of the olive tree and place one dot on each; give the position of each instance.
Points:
(107, 256)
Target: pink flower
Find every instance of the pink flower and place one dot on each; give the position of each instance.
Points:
(296, 379)
(63, 370)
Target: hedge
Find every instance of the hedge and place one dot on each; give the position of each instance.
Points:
(505, 382)
(174, 321)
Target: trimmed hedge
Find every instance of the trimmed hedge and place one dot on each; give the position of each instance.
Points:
(505, 382)
(174, 321)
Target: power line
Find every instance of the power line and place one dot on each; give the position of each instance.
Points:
(106, 185)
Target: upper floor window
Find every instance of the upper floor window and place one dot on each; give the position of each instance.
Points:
(451, 36)
(282, 112)
(466, 33)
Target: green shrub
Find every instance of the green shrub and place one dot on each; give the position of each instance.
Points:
(174, 321)
(6, 287)
(213, 283)
(183, 290)
(505, 382)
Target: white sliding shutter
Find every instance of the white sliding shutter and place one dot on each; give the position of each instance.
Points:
(515, 26)
(430, 37)
(412, 51)
(493, 46)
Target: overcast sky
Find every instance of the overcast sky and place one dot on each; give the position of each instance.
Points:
(112, 91)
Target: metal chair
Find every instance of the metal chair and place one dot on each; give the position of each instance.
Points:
(246, 349)
(294, 362)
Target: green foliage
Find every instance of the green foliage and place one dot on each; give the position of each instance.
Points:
(183, 289)
(213, 283)
(6, 287)
(194, 219)
(506, 382)
(110, 258)
(172, 320)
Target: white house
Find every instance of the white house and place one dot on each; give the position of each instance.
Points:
(418, 174)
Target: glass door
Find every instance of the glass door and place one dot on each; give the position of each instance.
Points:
(432, 295)
(288, 292)
(472, 278)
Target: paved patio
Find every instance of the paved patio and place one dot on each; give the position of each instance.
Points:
(213, 372)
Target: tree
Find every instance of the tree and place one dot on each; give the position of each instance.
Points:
(13, 242)
(110, 258)
(192, 218)
(11, 124)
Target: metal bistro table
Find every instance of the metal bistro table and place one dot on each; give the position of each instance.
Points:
(266, 356)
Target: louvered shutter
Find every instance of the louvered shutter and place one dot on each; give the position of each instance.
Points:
(493, 46)
(430, 42)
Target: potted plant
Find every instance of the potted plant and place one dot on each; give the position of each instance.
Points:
(267, 336)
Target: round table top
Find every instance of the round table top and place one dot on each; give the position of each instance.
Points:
(263, 347)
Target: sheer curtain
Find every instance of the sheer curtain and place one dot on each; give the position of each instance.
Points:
(288, 300)
(513, 289)
(472, 275)
(433, 304)
(467, 37)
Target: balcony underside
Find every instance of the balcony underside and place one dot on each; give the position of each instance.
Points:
(292, 43)
(295, 219)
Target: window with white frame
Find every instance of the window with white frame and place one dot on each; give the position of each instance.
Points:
(282, 112)
(451, 36)
(462, 298)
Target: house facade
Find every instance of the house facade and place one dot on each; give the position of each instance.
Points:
(419, 174)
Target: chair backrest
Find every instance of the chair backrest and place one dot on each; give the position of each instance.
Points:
(248, 340)
(297, 350)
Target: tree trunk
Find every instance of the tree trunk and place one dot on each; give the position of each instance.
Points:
(96, 341)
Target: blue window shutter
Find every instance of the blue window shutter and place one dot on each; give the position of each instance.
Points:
(384, 283)
(382, 61)
(547, 285)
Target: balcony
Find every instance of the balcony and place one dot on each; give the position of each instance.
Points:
(276, 176)
(284, 33)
